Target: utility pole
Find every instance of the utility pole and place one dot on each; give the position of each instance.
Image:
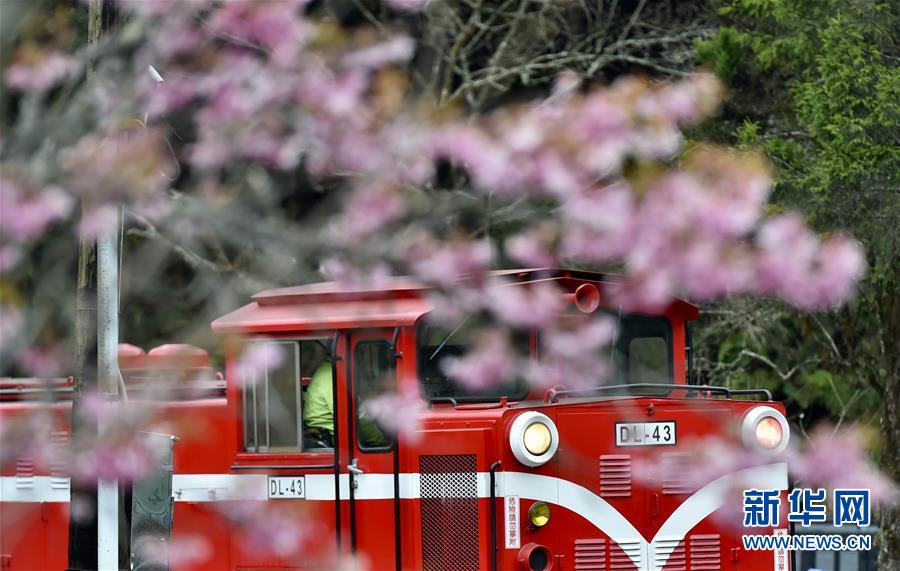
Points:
(83, 533)
(108, 381)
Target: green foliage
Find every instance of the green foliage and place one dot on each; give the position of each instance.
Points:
(726, 51)
(816, 85)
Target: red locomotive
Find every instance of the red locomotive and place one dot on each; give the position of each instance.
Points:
(506, 478)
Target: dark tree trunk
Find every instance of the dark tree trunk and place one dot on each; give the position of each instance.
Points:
(889, 556)
(82, 548)
(83, 498)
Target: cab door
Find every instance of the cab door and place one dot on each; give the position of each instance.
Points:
(372, 458)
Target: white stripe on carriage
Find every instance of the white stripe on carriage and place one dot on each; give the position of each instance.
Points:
(225, 487)
(652, 556)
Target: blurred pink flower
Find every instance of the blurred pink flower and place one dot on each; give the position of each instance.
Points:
(183, 551)
(127, 165)
(521, 307)
(158, 7)
(99, 221)
(256, 358)
(588, 337)
(43, 362)
(274, 25)
(838, 459)
(398, 49)
(123, 454)
(409, 5)
(487, 162)
(12, 321)
(490, 362)
(397, 413)
(45, 70)
(445, 263)
(794, 264)
(268, 529)
(26, 215)
(698, 462)
(531, 249)
(366, 211)
(840, 265)
(9, 257)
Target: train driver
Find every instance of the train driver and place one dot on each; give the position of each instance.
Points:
(318, 413)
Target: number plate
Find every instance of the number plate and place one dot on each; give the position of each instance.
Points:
(645, 433)
(287, 487)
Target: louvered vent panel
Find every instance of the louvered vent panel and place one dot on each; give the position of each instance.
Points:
(449, 508)
(675, 467)
(615, 475)
(626, 556)
(590, 555)
(59, 467)
(705, 553)
(669, 554)
(24, 472)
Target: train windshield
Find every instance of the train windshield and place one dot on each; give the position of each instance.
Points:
(643, 354)
(438, 344)
(643, 351)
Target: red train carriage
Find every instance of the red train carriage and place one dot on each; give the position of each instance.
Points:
(506, 478)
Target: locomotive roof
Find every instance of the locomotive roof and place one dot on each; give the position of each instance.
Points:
(397, 302)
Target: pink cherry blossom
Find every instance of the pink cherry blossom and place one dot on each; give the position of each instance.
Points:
(158, 7)
(44, 362)
(838, 459)
(256, 358)
(534, 307)
(274, 530)
(25, 215)
(181, 551)
(271, 24)
(396, 50)
(408, 5)
(12, 321)
(491, 362)
(398, 413)
(533, 248)
(444, 264)
(43, 71)
(99, 221)
(368, 210)
(9, 257)
(588, 337)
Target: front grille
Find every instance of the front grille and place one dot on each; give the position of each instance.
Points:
(669, 554)
(675, 467)
(615, 475)
(590, 555)
(626, 556)
(59, 467)
(449, 509)
(705, 553)
(24, 472)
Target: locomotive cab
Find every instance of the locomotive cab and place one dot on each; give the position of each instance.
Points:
(508, 477)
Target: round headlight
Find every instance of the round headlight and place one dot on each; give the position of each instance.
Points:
(533, 438)
(765, 429)
(539, 514)
(537, 438)
(769, 433)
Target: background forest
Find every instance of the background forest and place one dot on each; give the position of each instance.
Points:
(812, 84)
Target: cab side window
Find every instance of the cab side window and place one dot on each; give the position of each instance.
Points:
(279, 391)
(374, 376)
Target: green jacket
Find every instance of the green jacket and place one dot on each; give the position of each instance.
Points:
(318, 404)
(318, 408)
